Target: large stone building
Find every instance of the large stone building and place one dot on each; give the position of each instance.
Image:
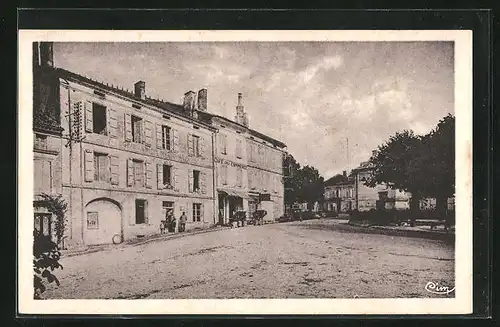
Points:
(121, 159)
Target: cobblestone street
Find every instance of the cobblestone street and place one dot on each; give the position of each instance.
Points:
(309, 259)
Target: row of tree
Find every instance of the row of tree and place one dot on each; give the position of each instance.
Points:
(422, 165)
(302, 184)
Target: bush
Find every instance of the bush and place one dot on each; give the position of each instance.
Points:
(380, 217)
(46, 257)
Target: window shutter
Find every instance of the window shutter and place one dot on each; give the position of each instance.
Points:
(190, 181)
(112, 123)
(128, 127)
(202, 213)
(203, 183)
(115, 167)
(149, 174)
(190, 145)
(130, 172)
(159, 176)
(175, 140)
(146, 212)
(89, 165)
(202, 147)
(159, 137)
(148, 133)
(89, 124)
(176, 181)
(225, 174)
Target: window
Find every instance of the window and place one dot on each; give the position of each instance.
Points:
(99, 119)
(196, 212)
(43, 223)
(167, 175)
(165, 137)
(239, 176)
(167, 206)
(42, 176)
(138, 172)
(101, 167)
(238, 149)
(92, 220)
(196, 180)
(223, 141)
(136, 129)
(40, 141)
(196, 146)
(140, 211)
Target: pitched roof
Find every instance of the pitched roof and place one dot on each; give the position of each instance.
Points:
(204, 116)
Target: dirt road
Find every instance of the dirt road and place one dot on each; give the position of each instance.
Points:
(309, 259)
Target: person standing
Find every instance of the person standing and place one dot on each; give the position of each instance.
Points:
(182, 222)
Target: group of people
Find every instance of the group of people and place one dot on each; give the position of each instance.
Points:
(170, 222)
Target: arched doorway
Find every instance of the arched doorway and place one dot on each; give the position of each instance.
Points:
(103, 221)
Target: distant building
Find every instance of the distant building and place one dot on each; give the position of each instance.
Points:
(339, 193)
(380, 196)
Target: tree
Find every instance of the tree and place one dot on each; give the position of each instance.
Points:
(312, 185)
(439, 165)
(292, 184)
(421, 165)
(302, 184)
(398, 164)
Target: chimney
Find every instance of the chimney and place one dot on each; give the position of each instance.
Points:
(344, 173)
(46, 54)
(189, 101)
(202, 100)
(240, 96)
(140, 89)
(241, 116)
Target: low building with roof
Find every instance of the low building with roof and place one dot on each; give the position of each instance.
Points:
(339, 193)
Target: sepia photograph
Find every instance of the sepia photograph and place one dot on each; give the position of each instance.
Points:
(219, 167)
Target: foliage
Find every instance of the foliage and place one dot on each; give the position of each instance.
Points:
(45, 259)
(46, 253)
(302, 184)
(57, 206)
(421, 165)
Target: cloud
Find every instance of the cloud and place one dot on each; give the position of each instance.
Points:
(323, 64)
(312, 96)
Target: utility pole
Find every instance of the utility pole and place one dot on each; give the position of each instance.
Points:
(347, 152)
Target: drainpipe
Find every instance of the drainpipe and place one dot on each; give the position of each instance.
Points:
(214, 187)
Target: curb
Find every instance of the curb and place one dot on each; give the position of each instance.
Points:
(399, 232)
(130, 243)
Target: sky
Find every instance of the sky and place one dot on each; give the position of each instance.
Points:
(331, 103)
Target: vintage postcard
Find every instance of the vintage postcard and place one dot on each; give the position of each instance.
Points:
(245, 172)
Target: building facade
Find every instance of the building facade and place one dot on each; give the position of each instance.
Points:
(128, 159)
(339, 194)
(47, 140)
(381, 196)
(121, 159)
(249, 168)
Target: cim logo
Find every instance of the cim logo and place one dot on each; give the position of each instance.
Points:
(435, 288)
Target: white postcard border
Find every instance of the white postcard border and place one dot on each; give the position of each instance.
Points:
(461, 304)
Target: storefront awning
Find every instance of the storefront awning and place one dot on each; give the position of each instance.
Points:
(237, 194)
